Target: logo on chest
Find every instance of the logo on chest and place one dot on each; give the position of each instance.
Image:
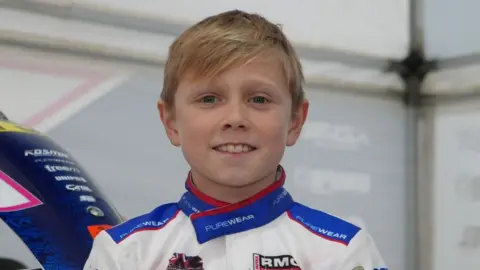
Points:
(228, 223)
(283, 262)
(180, 261)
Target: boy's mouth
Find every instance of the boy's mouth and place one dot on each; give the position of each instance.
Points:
(234, 148)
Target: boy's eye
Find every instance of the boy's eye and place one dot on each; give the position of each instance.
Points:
(208, 99)
(259, 99)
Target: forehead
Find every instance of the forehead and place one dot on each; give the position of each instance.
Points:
(267, 71)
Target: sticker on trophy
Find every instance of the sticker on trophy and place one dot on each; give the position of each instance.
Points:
(6, 126)
(94, 230)
(14, 197)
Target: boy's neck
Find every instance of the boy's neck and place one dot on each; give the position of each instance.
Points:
(232, 194)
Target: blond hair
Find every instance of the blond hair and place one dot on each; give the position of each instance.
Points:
(226, 40)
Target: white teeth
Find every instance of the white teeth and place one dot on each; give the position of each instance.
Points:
(234, 148)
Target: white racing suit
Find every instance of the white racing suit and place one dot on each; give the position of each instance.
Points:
(268, 231)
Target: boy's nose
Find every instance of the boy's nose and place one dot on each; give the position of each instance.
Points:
(235, 117)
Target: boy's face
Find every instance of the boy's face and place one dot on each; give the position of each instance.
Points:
(234, 130)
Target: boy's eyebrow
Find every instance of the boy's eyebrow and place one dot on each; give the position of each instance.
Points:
(262, 83)
(257, 82)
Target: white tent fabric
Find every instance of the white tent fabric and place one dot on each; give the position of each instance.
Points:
(353, 40)
(342, 44)
(450, 30)
(348, 27)
(455, 189)
(339, 31)
(373, 27)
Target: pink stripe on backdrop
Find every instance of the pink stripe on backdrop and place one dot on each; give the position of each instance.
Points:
(91, 78)
(63, 102)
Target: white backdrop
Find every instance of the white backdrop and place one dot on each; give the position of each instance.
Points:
(341, 25)
(353, 41)
(456, 186)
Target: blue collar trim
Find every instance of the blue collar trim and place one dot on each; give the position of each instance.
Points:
(212, 218)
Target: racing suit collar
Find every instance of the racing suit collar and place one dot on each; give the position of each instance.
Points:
(212, 218)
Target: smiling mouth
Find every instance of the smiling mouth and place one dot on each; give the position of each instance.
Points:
(231, 148)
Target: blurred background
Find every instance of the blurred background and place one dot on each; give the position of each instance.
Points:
(392, 142)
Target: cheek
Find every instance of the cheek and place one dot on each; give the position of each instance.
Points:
(192, 140)
(275, 132)
(193, 128)
(273, 124)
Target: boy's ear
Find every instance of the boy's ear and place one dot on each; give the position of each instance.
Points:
(296, 122)
(168, 120)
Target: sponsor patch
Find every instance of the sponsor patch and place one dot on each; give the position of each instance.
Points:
(94, 230)
(79, 188)
(180, 261)
(283, 262)
(71, 178)
(228, 223)
(45, 153)
(55, 168)
(87, 198)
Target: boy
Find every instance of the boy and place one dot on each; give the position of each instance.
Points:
(232, 100)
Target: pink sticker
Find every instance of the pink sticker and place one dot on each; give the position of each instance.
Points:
(14, 197)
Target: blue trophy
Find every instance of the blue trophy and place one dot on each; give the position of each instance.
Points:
(48, 199)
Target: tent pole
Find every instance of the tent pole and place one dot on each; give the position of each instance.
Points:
(412, 101)
(413, 70)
